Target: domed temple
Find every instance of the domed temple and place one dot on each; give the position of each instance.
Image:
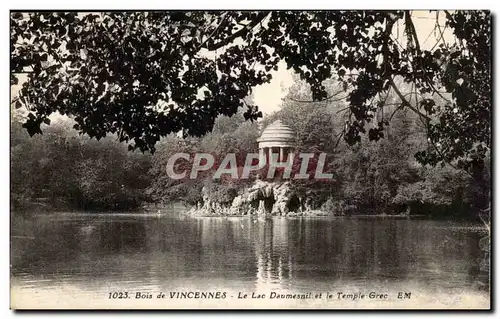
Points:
(278, 139)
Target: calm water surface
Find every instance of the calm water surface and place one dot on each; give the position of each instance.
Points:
(89, 255)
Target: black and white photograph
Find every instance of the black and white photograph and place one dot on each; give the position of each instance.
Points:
(241, 159)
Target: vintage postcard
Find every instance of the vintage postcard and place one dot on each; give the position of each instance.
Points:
(250, 159)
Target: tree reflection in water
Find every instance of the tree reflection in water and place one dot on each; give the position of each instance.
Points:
(282, 253)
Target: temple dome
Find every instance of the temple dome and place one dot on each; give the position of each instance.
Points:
(277, 135)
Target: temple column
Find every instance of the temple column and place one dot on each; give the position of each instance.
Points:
(262, 157)
(282, 155)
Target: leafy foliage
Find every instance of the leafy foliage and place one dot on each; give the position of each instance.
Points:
(60, 165)
(383, 176)
(143, 75)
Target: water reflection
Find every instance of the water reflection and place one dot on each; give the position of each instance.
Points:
(99, 252)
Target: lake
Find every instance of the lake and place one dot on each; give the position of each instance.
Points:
(85, 260)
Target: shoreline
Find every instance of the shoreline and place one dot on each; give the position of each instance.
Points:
(311, 216)
(172, 209)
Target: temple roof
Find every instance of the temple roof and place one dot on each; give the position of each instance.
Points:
(278, 133)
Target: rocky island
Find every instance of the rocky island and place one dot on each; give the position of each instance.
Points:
(264, 198)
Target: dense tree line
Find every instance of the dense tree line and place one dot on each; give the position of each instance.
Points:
(61, 169)
(383, 176)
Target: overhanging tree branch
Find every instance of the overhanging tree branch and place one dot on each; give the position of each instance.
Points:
(214, 46)
(405, 101)
(411, 29)
(326, 99)
(215, 30)
(441, 32)
(411, 26)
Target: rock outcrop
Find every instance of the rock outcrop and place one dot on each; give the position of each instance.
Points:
(262, 199)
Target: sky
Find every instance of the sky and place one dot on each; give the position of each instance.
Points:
(269, 96)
